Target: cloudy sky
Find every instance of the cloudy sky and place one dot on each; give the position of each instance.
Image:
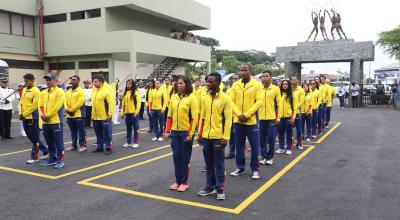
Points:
(264, 25)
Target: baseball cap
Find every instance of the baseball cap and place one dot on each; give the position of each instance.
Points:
(50, 75)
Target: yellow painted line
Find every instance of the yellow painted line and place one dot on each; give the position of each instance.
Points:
(27, 172)
(236, 210)
(163, 198)
(270, 182)
(111, 162)
(129, 167)
(327, 133)
(15, 152)
(69, 142)
(83, 169)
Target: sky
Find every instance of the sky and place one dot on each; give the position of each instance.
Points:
(265, 25)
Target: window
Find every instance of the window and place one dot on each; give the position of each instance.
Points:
(102, 64)
(29, 27)
(94, 13)
(17, 25)
(24, 64)
(62, 66)
(5, 23)
(77, 15)
(54, 18)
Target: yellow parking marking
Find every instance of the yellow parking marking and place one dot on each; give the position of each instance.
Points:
(237, 210)
(27, 172)
(270, 182)
(323, 137)
(69, 142)
(83, 169)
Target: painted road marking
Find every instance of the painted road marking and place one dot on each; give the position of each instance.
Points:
(83, 169)
(237, 210)
(69, 142)
(323, 137)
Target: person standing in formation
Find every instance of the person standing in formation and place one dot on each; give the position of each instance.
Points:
(130, 108)
(181, 124)
(51, 106)
(29, 116)
(76, 111)
(268, 115)
(215, 128)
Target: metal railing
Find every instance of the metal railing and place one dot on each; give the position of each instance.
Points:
(161, 70)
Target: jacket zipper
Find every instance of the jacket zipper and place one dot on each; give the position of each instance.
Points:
(177, 113)
(212, 101)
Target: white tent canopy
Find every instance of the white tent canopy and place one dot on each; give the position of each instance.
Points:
(3, 63)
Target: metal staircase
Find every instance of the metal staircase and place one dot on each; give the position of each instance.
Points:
(160, 71)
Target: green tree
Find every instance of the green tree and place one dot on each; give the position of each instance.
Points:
(231, 64)
(210, 42)
(390, 41)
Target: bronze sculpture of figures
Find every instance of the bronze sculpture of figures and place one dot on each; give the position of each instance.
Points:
(335, 21)
(315, 22)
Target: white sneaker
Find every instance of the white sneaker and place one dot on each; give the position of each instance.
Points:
(308, 140)
(270, 162)
(154, 139)
(263, 161)
(314, 136)
(255, 175)
(127, 145)
(289, 152)
(280, 151)
(135, 145)
(160, 139)
(300, 147)
(82, 149)
(44, 157)
(237, 172)
(31, 161)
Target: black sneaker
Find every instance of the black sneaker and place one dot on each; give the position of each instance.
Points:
(230, 156)
(206, 191)
(97, 151)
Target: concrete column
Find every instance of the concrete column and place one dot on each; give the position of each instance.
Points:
(133, 60)
(76, 67)
(111, 71)
(292, 68)
(356, 75)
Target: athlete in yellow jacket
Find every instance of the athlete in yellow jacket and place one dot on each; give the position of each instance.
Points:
(51, 109)
(29, 115)
(267, 115)
(298, 96)
(330, 95)
(75, 107)
(103, 105)
(215, 128)
(181, 123)
(246, 98)
(287, 111)
(130, 108)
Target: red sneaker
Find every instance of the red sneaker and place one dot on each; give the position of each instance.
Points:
(174, 186)
(183, 188)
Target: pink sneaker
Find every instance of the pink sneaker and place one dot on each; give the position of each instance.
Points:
(183, 188)
(174, 186)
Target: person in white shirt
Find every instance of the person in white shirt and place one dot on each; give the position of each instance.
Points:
(355, 92)
(7, 96)
(142, 92)
(88, 103)
(341, 94)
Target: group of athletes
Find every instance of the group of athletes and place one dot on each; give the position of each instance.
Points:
(183, 111)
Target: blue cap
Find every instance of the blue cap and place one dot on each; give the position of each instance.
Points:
(50, 75)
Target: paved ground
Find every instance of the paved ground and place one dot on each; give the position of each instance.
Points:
(352, 174)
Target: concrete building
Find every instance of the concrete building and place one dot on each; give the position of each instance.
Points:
(122, 38)
(388, 74)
